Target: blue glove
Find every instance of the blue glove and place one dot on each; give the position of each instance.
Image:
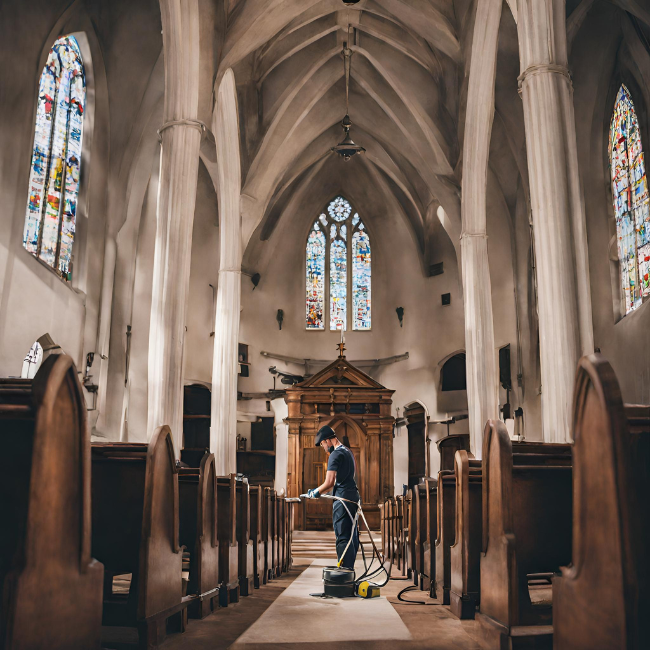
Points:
(313, 494)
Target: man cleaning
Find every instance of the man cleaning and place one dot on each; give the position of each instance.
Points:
(341, 469)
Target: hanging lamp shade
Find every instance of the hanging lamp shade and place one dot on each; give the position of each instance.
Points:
(347, 147)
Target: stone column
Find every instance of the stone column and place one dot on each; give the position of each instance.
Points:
(223, 430)
(565, 321)
(180, 137)
(482, 385)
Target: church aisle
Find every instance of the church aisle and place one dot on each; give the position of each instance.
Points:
(283, 615)
(298, 617)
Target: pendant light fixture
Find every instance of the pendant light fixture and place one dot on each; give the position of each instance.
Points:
(347, 147)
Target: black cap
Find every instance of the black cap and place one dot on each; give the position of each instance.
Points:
(324, 433)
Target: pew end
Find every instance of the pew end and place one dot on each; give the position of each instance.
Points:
(526, 529)
(52, 586)
(137, 485)
(198, 533)
(228, 546)
(611, 525)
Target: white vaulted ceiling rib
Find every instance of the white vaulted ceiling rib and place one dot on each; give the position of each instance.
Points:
(403, 97)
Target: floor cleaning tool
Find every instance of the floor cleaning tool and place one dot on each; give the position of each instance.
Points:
(340, 582)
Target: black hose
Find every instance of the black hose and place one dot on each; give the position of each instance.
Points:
(412, 602)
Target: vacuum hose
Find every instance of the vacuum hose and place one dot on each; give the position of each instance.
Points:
(367, 574)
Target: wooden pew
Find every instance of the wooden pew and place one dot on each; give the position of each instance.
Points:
(228, 546)
(602, 600)
(383, 528)
(52, 587)
(197, 489)
(256, 534)
(244, 541)
(429, 544)
(447, 448)
(267, 534)
(390, 530)
(402, 534)
(413, 535)
(526, 527)
(445, 520)
(466, 549)
(281, 519)
(277, 569)
(292, 502)
(420, 506)
(135, 515)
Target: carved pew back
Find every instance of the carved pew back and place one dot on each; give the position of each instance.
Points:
(198, 533)
(527, 518)
(611, 527)
(244, 541)
(446, 512)
(228, 546)
(291, 503)
(135, 531)
(257, 502)
(420, 506)
(465, 551)
(277, 571)
(52, 586)
(413, 534)
(281, 518)
(429, 545)
(390, 530)
(267, 534)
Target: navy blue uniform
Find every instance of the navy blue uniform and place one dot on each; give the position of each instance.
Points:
(341, 461)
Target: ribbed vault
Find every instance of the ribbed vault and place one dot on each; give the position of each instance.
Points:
(404, 101)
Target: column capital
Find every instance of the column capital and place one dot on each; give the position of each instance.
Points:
(194, 124)
(543, 68)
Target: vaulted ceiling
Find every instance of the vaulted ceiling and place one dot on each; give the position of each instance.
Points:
(405, 90)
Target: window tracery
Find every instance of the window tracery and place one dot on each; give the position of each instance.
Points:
(56, 158)
(347, 261)
(631, 201)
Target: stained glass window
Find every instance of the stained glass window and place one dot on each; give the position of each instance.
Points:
(56, 158)
(631, 205)
(315, 278)
(360, 280)
(347, 260)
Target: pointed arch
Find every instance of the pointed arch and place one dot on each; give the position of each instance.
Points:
(343, 269)
(631, 202)
(56, 158)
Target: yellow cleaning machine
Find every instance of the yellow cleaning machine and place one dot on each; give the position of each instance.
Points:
(339, 582)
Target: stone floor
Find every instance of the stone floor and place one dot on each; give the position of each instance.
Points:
(283, 615)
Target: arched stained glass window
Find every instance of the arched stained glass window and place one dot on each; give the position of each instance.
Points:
(347, 260)
(315, 278)
(56, 158)
(630, 190)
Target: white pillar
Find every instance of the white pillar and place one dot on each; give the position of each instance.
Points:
(482, 385)
(565, 321)
(179, 159)
(223, 430)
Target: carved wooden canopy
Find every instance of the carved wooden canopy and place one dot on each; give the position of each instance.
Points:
(358, 408)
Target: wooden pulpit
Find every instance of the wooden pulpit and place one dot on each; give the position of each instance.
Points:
(359, 410)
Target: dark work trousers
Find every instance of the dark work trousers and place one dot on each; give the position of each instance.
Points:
(343, 530)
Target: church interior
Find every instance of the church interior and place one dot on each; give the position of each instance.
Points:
(228, 223)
